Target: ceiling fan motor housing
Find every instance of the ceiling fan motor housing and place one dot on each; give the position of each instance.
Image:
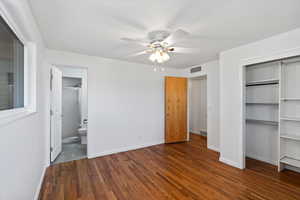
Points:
(158, 36)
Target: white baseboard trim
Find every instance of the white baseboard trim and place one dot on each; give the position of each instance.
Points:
(213, 148)
(261, 158)
(195, 132)
(203, 131)
(124, 149)
(230, 162)
(38, 189)
(198, 132)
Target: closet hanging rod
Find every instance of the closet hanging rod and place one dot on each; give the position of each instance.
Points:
(262, 64)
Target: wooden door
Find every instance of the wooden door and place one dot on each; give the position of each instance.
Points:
(175, 109)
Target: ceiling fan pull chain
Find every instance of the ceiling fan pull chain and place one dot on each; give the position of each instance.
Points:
(162, 69)
(158, 68)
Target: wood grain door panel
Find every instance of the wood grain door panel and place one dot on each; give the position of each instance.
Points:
(175, 109)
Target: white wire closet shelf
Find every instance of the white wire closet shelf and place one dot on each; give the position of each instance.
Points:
(290, 161)
(287, 118)
(290, 136)
(260, 121)
(262, 103)
(262, 82)
(290, 99)
(272, 112)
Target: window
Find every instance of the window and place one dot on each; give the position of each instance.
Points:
(11, 69)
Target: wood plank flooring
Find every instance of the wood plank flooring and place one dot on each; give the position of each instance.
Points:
(173, 171)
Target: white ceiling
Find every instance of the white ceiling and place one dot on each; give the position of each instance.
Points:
(94, 27)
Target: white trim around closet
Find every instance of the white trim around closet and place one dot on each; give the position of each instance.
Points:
(251, 61)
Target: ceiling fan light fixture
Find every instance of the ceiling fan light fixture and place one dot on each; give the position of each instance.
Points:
(166, 57)
(159, 56)
(152, 57)
(160, 59)
(159, 44)
(158, 53)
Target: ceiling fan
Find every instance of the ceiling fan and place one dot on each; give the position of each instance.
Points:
(159, 44)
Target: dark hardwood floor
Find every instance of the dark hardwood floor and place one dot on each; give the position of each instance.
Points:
(174, 171)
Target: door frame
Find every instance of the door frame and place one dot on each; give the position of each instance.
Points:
(48, 117)
(188, 103)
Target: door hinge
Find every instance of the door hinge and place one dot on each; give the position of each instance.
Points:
(51, 149)
(51, 112)
(51, 80)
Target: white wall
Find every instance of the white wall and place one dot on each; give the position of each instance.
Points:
(125, 102)
(231, 84)
(211, 70)
(198, 106)
(22, 143)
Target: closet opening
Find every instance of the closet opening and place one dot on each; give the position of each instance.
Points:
(198, 109)
(68, 114)
(272, 115)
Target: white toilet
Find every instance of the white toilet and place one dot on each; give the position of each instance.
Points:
(83, 134)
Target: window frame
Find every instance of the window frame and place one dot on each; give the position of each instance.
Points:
(9, 115)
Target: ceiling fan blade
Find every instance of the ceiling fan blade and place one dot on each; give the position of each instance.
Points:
(212, 38)
(138, 53)
(142, 42)
(186, 50)
(176, 36)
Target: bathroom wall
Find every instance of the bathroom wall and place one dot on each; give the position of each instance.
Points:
(70, 107)
(81, 73)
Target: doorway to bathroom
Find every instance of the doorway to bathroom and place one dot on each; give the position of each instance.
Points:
(68, 114)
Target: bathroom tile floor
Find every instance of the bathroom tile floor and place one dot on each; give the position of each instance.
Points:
(74, 151)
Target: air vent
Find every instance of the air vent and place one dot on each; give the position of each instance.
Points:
(196, 69)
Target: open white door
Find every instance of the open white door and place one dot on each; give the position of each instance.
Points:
(56, 112)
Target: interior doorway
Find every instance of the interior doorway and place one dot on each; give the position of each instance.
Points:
(68, 114)
(198, 106)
